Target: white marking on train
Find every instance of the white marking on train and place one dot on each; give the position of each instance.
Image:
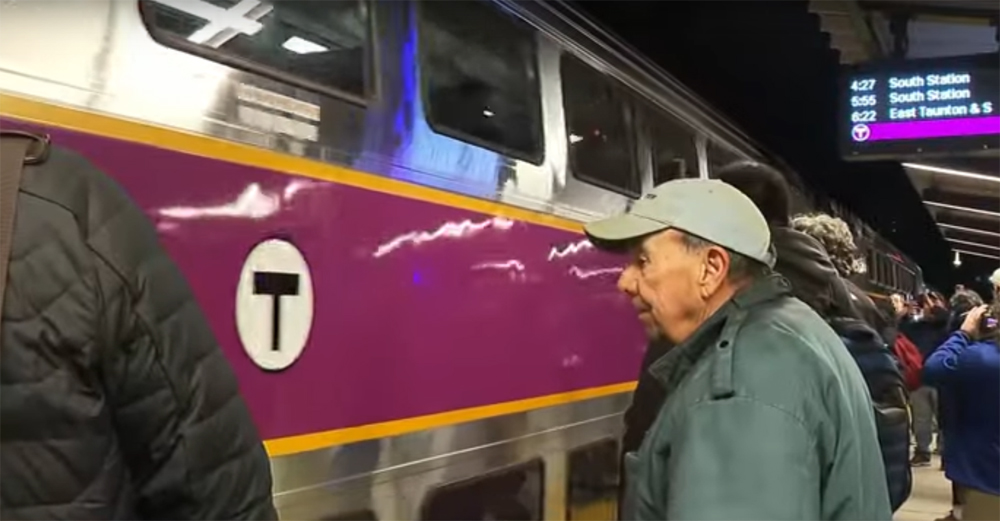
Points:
(275, 101)
(274, 304)
(278, 124)
(219, 19)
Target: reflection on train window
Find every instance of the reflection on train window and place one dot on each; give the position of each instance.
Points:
(592, 488)
(480, 77)
(320, 46)
(362, 515)
(674, 152)
(600, 143)
(511, 494)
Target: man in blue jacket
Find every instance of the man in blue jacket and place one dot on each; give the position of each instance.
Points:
(967, 368)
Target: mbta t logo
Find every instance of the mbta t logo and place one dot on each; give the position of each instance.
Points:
(274, 304)
(276, 285)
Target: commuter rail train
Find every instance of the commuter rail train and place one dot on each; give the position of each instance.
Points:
(378, 206)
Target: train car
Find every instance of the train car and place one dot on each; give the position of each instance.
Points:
(889, 270)
(882, 269)
(405, 181)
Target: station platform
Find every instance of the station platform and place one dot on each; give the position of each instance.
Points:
(931, 496)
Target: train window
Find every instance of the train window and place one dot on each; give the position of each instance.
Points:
(511, 494)
(480, 77)
(872, 266)
(319, 46)
(673, 148)
(600, 141)
(720, 155)
(592, 488)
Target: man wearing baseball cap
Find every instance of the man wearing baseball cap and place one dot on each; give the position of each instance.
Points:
(767, 415)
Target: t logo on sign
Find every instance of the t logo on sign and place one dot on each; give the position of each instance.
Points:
(274, 304)
(276, 285)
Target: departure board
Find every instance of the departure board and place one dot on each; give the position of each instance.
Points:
(931, 106)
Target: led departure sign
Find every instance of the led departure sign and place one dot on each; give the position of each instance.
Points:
(941, 105)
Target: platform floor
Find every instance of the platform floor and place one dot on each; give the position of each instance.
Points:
(931, 496)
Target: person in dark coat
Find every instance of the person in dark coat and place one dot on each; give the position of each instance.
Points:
(117, 402)
(801, 258)
(928, 329)
(838, 242)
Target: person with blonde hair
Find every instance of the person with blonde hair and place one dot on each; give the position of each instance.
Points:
(836, 238)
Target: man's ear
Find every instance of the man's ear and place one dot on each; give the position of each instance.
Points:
(715, 269)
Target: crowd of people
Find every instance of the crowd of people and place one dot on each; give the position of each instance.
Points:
(749, 406)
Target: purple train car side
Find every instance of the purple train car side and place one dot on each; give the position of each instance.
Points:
(378, 206)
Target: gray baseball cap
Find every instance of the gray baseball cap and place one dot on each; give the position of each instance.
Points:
(707, 208)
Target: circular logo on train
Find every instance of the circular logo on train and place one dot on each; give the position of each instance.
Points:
(274, 304)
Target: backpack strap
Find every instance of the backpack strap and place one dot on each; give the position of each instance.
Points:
(16, 150)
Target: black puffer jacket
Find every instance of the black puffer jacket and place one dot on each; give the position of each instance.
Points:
(117, 403)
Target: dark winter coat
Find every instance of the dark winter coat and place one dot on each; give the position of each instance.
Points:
(117, 402)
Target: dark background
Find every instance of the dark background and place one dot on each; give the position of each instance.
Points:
(769, 67)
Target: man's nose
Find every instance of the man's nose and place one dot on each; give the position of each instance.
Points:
(626, 282)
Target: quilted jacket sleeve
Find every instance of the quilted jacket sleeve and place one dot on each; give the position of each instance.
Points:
(186, 434)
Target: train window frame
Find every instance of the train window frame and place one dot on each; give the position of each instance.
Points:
(536, 464)
(369, 72)
(626, 108)
(535, 88)
(715, 149)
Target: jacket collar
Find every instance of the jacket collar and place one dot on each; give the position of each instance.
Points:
(717, 332)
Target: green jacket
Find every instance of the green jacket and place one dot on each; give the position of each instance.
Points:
(767, 417)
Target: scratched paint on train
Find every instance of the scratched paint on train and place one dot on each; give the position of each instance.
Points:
(421, 309)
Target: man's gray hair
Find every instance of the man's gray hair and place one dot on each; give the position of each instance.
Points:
(741, 267)
(836, 237)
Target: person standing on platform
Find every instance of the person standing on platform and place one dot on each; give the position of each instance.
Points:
(928, 328)
(766, 414)
(967, 367)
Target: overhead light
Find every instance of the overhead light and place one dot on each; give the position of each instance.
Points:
(970, 243)
(962, 208)
(977, 254)
(573, 138)
(951, 171)
(958, 259)
(488, 113)
(968, 230)
(303, 46)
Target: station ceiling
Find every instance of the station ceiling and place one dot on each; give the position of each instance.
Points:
(962, 194)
